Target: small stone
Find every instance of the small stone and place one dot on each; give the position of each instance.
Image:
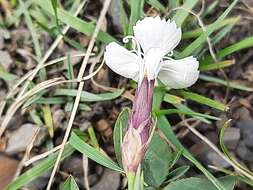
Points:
(246, 127)
(217, 160)
(74, 166)
(232, 137)
(21, 138)
(5, 60)
(109, 181)
(243, 152)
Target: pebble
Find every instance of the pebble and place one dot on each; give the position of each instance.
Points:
(109, 181)
(231, 137)
(245, 124)
(22, 137)
(5, 60)
(216, 160)
(243, 152)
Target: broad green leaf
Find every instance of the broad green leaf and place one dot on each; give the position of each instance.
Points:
(202, 38)
(76, 23)
(194, 183)
(87, 96)
(118, 132)
(39, 169)
(69, 184)
(235, 85)
(92, 153)
(201, 99)
(177, 173)
(157, 161)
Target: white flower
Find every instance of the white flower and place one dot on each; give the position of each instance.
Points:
(154, 40)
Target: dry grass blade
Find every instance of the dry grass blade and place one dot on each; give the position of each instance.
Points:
(85, 171)
(80, 87)
(30, 77)
(41, 156)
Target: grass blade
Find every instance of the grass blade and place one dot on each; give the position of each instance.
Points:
(39, 169)
(92, 153)
(119, 128)
(215, 66)
(76, 23)
(181, 15)
(136, 10)
(202, 38)
(89, 97)
(201, 99)
(224, 83)
(69, 184)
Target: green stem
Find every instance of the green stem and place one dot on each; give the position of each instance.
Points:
(130, 179)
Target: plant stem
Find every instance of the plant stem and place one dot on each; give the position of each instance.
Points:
(130, 179)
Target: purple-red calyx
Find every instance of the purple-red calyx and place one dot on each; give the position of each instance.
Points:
(139, 128)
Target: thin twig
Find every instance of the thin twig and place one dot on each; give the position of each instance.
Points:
(80, 87)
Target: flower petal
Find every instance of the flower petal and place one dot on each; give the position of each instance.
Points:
(122, 61)
(154, 32)
(181, 73)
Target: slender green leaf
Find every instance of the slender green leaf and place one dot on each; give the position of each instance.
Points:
(201, 99)
(159, 6)
(118, 132)
(93, 137)
(190, 113)
(181, 15)
(8, 77)
(87, 96)
(202, 38)
(47, 115)
(76, 23)
(224, 83)
(215, 66)
(197, 32)
(92, 153)
(69, 184)
(39, 169)
(177, 173)
(136, 10)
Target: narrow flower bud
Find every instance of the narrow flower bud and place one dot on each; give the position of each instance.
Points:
(139, 127)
